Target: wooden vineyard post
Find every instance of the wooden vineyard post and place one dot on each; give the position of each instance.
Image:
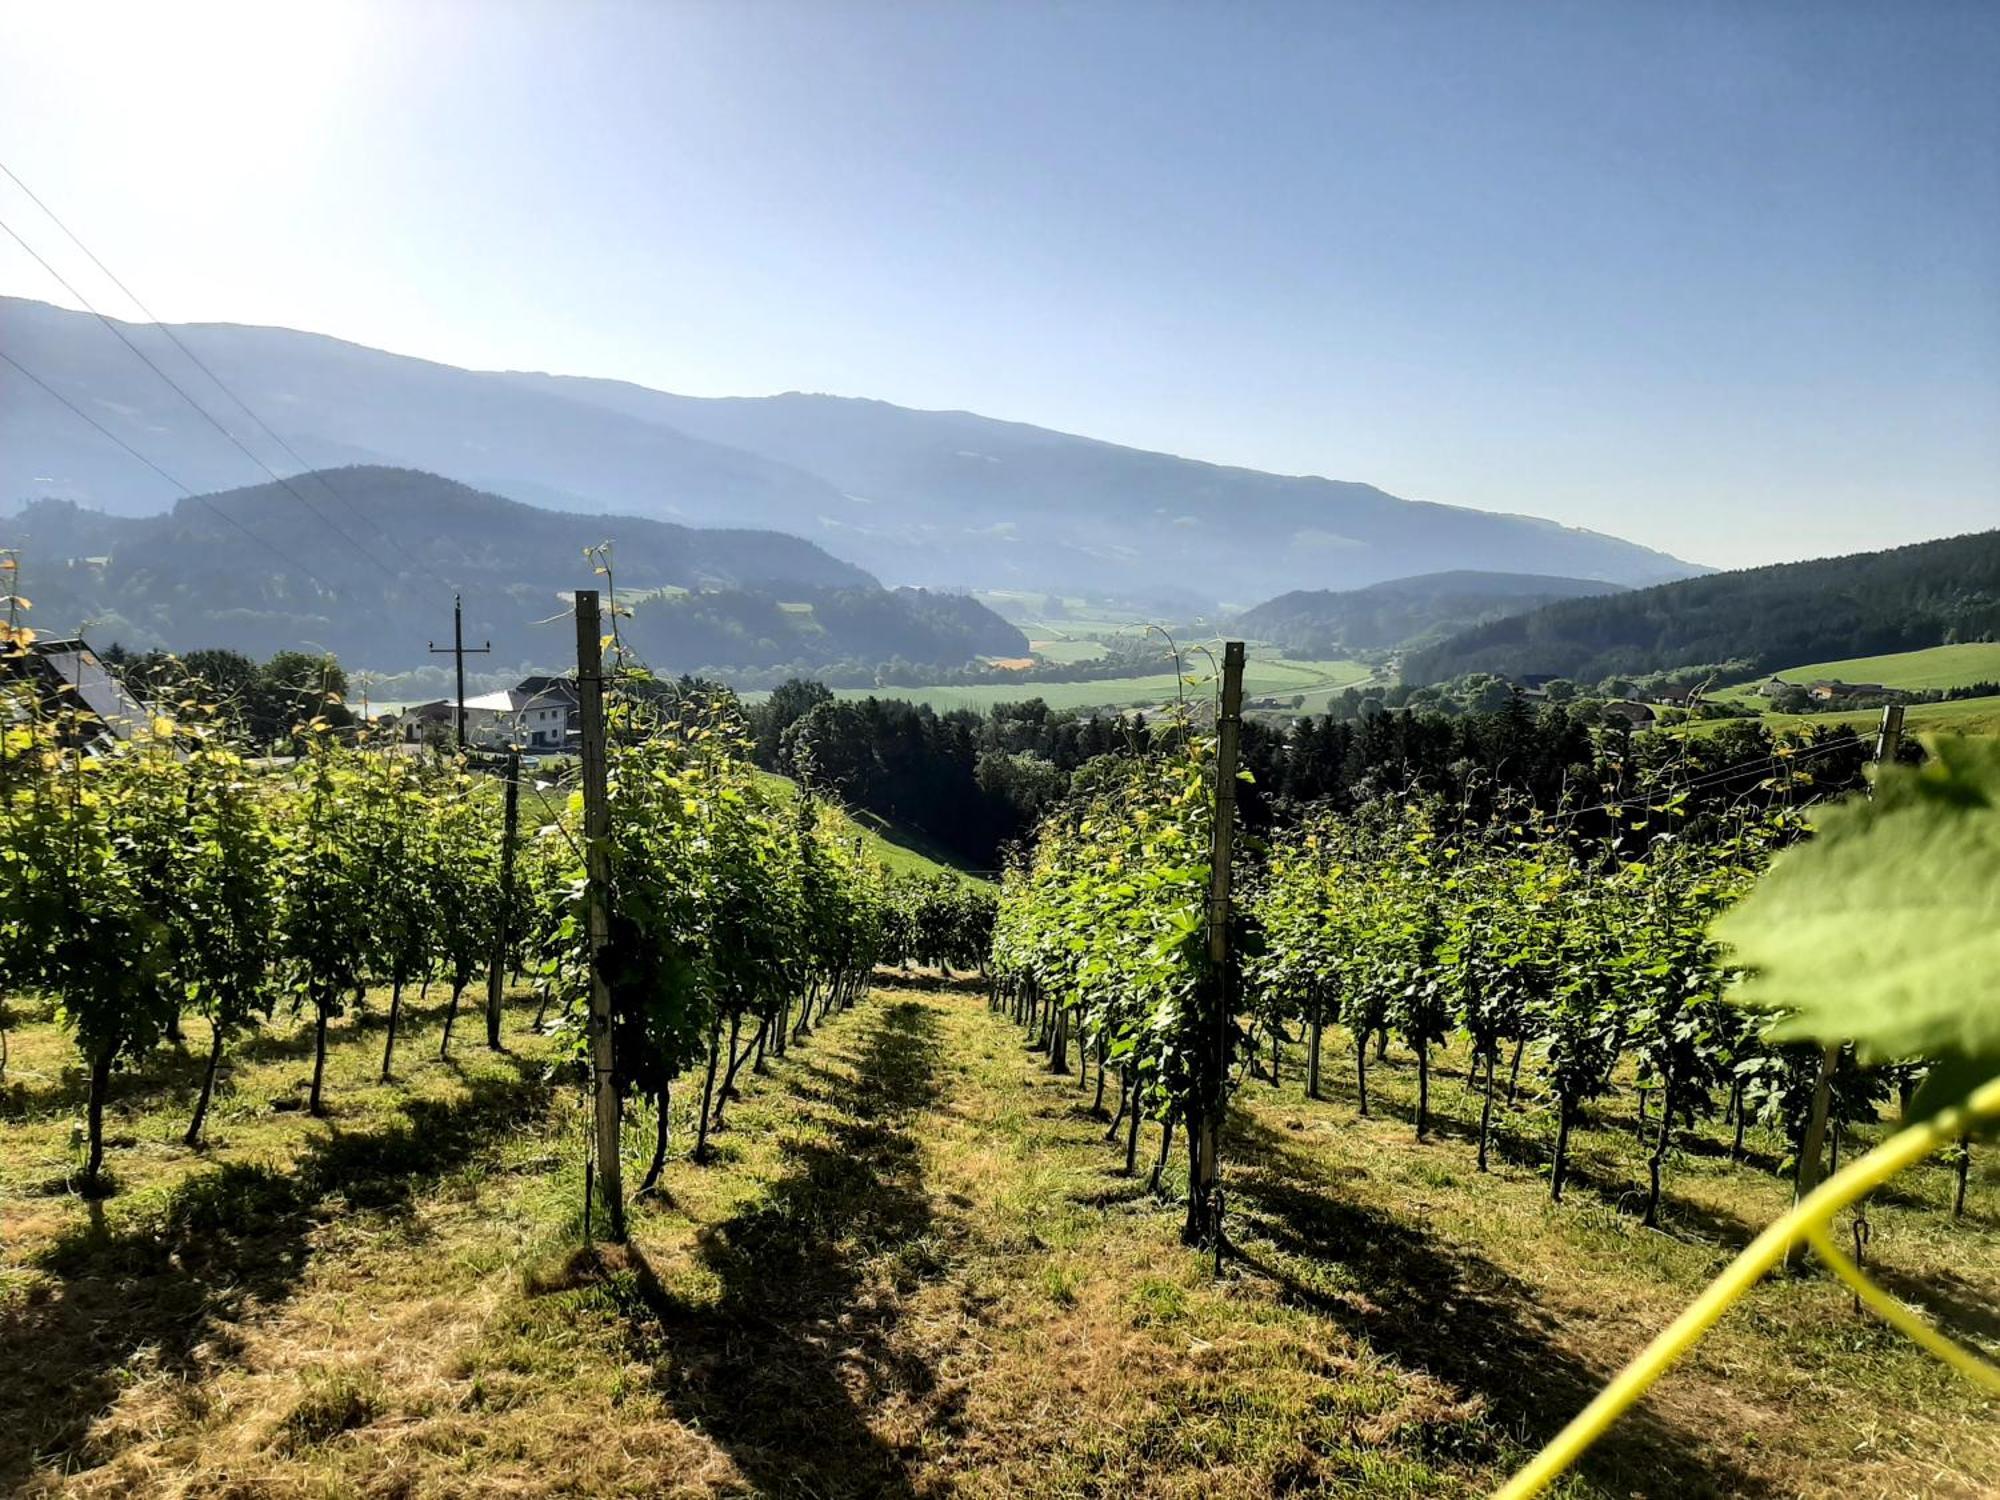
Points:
(1204, 1223)
(1887, 739)
(496, 966)
(597, 882)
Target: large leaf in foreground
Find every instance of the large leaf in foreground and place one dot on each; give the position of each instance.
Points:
(1884, 928)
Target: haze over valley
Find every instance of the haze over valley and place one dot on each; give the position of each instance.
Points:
(936, 499)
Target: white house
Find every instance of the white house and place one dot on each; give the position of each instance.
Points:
(537, 714)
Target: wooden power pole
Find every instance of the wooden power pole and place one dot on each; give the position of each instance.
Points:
(458, 651)
(1887, 739)
(1218, 983)
(496, 966)
(597, 899)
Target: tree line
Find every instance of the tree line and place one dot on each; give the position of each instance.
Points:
(1829, 609)
(978, 782)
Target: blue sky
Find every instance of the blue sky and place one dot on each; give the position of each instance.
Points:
(1724, 279)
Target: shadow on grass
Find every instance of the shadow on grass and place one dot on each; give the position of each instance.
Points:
(165, 1281)
(930, 981)
(1445, 1310)
(1945, 1297)
(167, 1072)
(780, 1368)
(1588, 1169)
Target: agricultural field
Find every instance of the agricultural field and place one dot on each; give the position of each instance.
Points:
(914, 1267)
(1913, 671)
(1269, 677)
(1066, 650)
(1967, 716)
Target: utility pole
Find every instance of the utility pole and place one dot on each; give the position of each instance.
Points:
(1218, 983)
(458, 651)
(496, 965)
(597, 893)
(1887, 739)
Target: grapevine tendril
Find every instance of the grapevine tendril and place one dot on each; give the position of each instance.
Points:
(1808, 1221)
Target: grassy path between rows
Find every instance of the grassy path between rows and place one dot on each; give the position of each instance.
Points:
(914, 1269)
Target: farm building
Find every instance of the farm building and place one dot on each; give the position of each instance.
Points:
(1633, 713)
(66, 675)
(1828, 690)
(537, 713)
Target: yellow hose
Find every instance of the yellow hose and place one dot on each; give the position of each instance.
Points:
(1807, 1220)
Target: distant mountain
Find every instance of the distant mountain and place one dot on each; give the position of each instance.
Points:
(257, 570)
(1329, 622)
(945, 498)
(1836, 607)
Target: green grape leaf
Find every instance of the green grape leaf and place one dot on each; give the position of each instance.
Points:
(1884, 928)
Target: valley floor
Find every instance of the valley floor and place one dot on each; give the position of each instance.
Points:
(915, 1269)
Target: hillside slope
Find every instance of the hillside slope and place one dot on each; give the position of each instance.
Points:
(983, 502)
(336, 404)
(1868, 603)
(198, 576)
(1330, 622)
(942, 498)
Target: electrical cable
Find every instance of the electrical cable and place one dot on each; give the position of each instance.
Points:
(201, 365)
(202, 411)
(185, 489)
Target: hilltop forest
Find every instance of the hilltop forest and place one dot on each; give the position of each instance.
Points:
(1928, 594)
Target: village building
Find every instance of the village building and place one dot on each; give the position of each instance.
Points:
(1827, 691)
(1638, 715)
(68, 677)
(537, 714)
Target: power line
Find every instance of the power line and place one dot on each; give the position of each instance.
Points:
(1709, 778)
(201, 500)
(202, 411)
(194, 359)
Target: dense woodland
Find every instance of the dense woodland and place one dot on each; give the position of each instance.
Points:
(1903, 599)
(975, 782)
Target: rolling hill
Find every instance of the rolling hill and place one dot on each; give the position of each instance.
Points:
(1866, 604)
(945, 498)
(202, 575)
(1964, 666)
(1330, 622)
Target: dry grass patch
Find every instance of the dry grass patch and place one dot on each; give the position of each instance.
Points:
(916, 1270)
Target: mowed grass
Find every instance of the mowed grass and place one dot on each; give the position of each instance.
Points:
(916, 1268)
(1067, 649)
(1980, 716)
(1262, 677)
(1937, 667)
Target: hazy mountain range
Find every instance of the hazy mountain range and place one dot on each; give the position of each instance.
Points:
(253, 569)
(947, 499)
(1403, 611)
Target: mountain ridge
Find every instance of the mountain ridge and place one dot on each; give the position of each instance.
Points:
(1401, 611)
(708, 597)
(1822, 609)
(945, 498)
